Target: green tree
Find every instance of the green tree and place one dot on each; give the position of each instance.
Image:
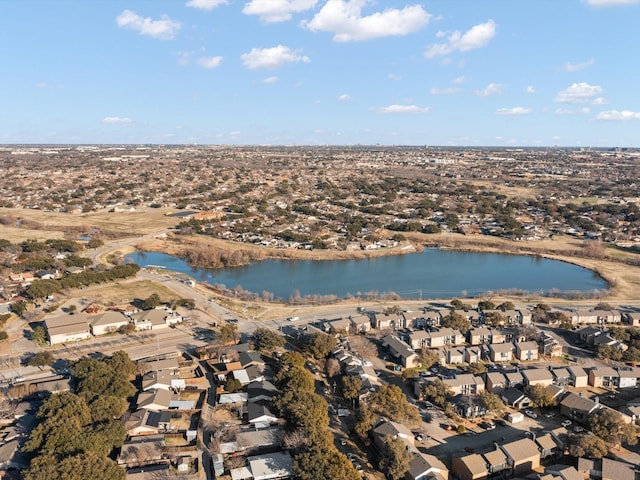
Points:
(491, 402)
(291, 359)
(295, 379)
(609, 352)
(390, 401)
(365, 418)
(77, 467)
(609, 425)
(350, 387)
(228, 333)
(494, 319)
(486, 305)
(323, 464)
(3, 335)
(233, 385)
(409, 374)
(437, 392)
(428, 357)
(456, 321)
(586, 445)
(506, 306)
(151, 302)
(394, 458)
(319, 345)
(267, 340)
(41, 359)
(541, 395)
(19, 308)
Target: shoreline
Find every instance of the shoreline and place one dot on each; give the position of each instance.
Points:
(622, 280)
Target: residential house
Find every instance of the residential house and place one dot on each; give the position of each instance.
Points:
(146, 422)
(514, 378)
(548, 446)
(470, 467)
(401, 351)
(445, 337)
(577, 407)
(578, 377)
(588, 334)
(423, 466)
(361, 323)
(537, 376)
(526, 351)
(628, 377)
(142, 450)
(561, 377)
(501, 352)
(495, 382)
(605, 377)
(338, 325)
(164, 380)
(419, 339)
(472, 355)
(466, 384)
(515, 398)
(171, 364)
(431, 318)
(522, 455)
(479, 336)
(67, 329)
(263, 391)
(549, 346)
(259, 414)
(453, 356)
(597, 317)
(271, 466)
(388, 321)
(387, 428)
(108, 322)
(632, 319)
(497, 461)
(155, 400)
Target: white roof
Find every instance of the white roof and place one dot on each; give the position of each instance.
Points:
(241, 473)
(273, 465)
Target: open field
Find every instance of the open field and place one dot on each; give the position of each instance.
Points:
(125, 291)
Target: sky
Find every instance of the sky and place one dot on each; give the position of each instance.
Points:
(321, 72)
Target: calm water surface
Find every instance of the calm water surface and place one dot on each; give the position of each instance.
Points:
(433, 273)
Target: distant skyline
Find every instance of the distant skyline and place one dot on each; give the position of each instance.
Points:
(316, 72)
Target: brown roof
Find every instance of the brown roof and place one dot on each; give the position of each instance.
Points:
(521, 449)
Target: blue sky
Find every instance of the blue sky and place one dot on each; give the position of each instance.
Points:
(315, 72)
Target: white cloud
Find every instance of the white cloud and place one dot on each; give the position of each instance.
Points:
(489, 90)
(611, 3)
(575, 67)
(271, 57)
(49, 86)
(210, 62)
(344, 19)
(618, 115)
(600, 101)
(578, 93)
(393, 76)
(117, 120)
(513, 111)
(530, 89)
(402, 109)
(459, 80)
(444, 91)
(476, 37)
(273, 11)
(163, 29)
(568, 111)
(345, 97)
(270, 80)
(206, 4)
(184, 58)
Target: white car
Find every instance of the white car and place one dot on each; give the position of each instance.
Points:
(531, 413)
(566, 423)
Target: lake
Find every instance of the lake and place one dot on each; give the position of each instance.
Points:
(433, 273)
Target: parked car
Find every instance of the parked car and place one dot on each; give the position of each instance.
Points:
(578, 429)
(566, 423)
(531, 413)
(488, 425)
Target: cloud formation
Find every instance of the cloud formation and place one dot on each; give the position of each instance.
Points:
(344, 97)
(569, 111)
(270, 58)
(270, 80)
(578, 93)
(611, 3)
(116, 120)
(402, 109)
(618, 115)
(210, 62)
(489, 90)
(574, 67)
(444, 91)
(274, 11)
(477, 36)
(344, 19)
(163, 29)
(513, 111)
(206, 4)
